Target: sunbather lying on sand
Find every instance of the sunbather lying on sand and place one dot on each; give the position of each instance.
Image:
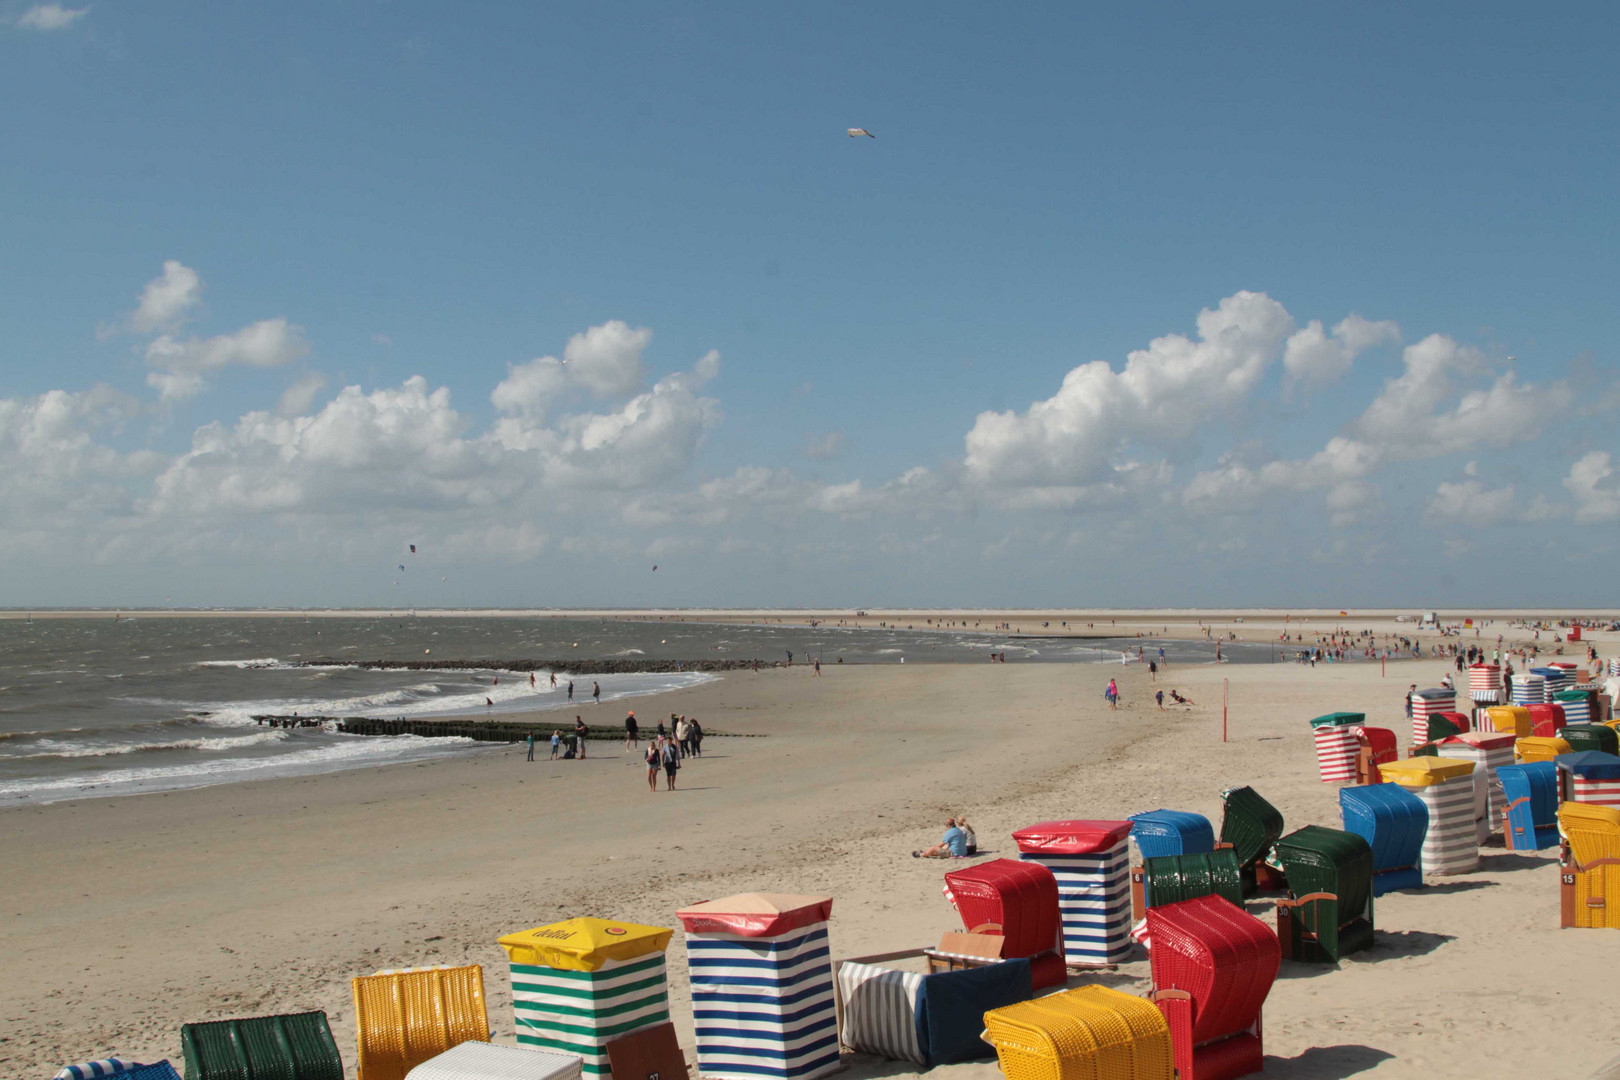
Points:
(1177, 699)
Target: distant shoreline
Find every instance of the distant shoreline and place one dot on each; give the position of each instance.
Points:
(864, 615)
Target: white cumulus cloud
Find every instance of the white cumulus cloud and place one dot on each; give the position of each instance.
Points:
(168, 299)
(1313, 356)
(51, 17)
(1594, 501)
(182, 363)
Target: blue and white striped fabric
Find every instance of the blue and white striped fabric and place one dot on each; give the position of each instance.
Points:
(1555, 678)
(104, 1067)
(880, 1012)
(763, 1006)
(1530, 689)
(1094, 903)
(1577, 710)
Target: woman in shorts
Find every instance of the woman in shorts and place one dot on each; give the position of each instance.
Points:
(653, 757)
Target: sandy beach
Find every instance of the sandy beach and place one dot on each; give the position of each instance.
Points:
(126, 917)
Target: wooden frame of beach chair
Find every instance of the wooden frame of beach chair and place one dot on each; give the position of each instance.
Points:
(1291, 931)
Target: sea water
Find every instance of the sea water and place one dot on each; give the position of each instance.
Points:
(95, 705)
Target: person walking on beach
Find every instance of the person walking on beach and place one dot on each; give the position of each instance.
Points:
(596, 693)
(556, 745)
(696, 730)
(683, 737)
(1112, 694)
(672, 762)
(1153, 670)
(1410, 692)
(1159, 697)
(579, 736)
(818, 667)
(653, 757)
(531, 746)
(570, 689)
(554, 680)
(632, 731)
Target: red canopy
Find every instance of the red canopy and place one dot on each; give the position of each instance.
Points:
(1071, 837)
(756, 914)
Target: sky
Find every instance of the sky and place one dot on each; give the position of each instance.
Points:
(1163, 305)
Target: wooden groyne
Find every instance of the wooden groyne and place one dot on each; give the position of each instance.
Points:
(477, 730)
(610, 666)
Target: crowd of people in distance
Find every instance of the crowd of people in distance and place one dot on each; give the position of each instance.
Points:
(665, 751)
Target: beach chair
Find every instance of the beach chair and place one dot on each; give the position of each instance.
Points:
(1589, 865)
(1534, 748)
(1394, 822)
(1336, 745)
(1589, 776)
(1454, 803)
(1170, 879)
(119, 1069)
(763, 1003)
(1510, 718)
(486, 1061)
(1579, 705)
(1171, 832)
(290, 1046)
(927, 1020)
(1213, 965)
(1329, 911)
(1374, 746)
(1251, 825)
(1489, 751)
(1092, 1032)
(1591, 737)
(1531, 791)
(1546, 720)
(1090, 861)
(403, 1018)
(1021, 899)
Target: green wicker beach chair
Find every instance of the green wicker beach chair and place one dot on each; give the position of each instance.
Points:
(293, 1046)
(1251, 825)
(1590, 737)
(1329, 912)
(1169, 879)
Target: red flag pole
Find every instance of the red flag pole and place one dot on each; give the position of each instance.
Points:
(1224, 684)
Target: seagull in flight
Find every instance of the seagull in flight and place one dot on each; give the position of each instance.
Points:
(856, 133)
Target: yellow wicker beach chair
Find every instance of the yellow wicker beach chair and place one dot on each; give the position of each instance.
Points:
(402, 1018)
(1093, 1033)
(1514, 719)
(1590, 870)
(1538, 748)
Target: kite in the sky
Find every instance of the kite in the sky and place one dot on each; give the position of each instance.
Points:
(402, 567)
(413, 549)
(655, 568)
(856, 133)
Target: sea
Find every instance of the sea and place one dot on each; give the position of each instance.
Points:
(105, 705)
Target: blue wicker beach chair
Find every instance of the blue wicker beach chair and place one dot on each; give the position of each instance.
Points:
(1394, 823)
(1531, 792)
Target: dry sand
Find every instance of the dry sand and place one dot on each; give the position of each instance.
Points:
(121, 919)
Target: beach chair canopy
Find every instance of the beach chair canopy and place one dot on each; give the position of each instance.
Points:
(403, 1018)
(1592, 763)
(1534, 748)
(1094, 1031)
(1419, 772)
(1020, 897)
(1482, 740)
(584, 944)
(1169, 879)
(756, 914)
(1339, 719)
(1394, 822)
(262, 1048)
(1321, 860)
(1218, 953)
(1249, 823)
(1591, 737)
(1171, 832)
(486, 1061)
(1071, 837)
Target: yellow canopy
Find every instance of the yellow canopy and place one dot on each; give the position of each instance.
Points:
(584, 944)
(1420, 772)
(1533, 748)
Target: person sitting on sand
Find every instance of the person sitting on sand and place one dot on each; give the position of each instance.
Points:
(970, 840)
(953, 845)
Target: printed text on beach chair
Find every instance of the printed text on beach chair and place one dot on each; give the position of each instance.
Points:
(926, 1019)
(403, 1018)
(1251, 825)
(486, 1061)
(1093, 1033)
(1589, 865)
(1169, 879)
(1393, 821)
(294, 1046)
(1531, 792)
(1329, 912)
(1213, 965)
(1022, 898)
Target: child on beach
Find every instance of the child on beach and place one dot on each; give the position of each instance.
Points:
(556, 744)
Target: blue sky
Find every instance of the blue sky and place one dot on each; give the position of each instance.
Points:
(356, 194)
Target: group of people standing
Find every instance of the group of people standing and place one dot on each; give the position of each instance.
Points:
(667, 748)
